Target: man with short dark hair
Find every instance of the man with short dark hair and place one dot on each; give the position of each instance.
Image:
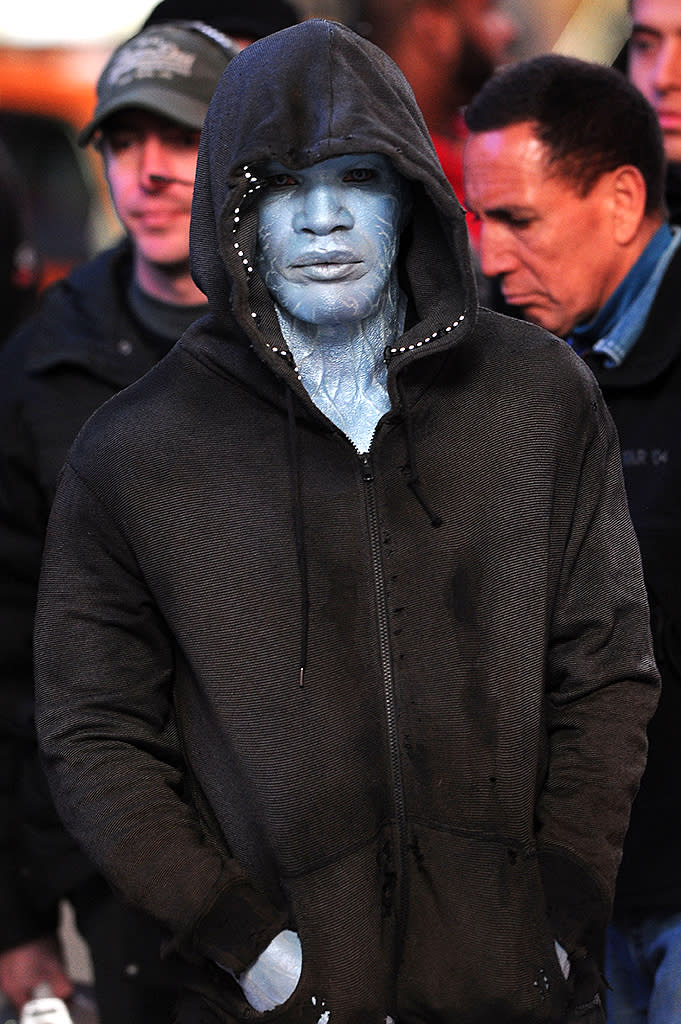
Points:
(350, 592)
(654, 66)
(564, 168)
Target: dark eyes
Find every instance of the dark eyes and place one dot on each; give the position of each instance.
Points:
(183, 139)
(512, 220)
(281, 180)
(355, 176)
(643, 44)
(519, 222)
(359, 175)
(121, 140)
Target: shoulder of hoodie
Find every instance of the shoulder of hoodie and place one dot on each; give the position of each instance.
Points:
(545, 380)
(159, 402)
(524, 358)
(529, 356)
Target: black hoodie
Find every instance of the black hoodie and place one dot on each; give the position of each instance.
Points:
(447, 793)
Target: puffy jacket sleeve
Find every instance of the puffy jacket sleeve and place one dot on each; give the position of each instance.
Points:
(602, 689)
(105, 715)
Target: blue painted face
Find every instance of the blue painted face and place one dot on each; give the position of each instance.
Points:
(328, 236)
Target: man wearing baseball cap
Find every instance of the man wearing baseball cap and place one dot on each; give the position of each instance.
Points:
(152, 97)
(95, 332)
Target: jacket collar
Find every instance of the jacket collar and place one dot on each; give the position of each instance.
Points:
(659, 344)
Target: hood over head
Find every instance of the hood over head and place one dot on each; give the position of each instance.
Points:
(308, 93)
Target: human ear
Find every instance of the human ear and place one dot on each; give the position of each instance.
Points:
(629, 196)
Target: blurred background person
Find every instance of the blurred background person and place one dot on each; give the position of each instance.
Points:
(19, 266)
(574, 225)
(446, 49)
(654, 66)
(94, 333)
(97, 331)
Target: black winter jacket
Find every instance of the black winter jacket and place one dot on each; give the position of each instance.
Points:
(448, 791)
(80, 348)
(644, 397)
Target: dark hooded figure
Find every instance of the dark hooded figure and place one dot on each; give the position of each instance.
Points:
(343, 656)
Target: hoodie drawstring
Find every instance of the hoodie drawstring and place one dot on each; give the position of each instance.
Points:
(414, 480)
(294, 468)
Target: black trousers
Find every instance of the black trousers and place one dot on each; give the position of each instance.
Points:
(132, 984)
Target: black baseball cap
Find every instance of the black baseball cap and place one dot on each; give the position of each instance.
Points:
(168, 69)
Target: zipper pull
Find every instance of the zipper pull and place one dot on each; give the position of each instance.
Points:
(367, 469)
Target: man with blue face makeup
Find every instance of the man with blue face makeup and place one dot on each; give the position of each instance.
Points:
(327, 244)
(349, 595)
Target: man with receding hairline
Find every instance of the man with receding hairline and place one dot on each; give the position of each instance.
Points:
(94, 333)
(573, 224)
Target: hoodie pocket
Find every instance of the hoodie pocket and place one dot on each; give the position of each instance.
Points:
(348, 943)
(478, 943)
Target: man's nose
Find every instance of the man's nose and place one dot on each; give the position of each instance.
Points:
(322, 210)
(155, 165)
(495, 250)
(668, 66)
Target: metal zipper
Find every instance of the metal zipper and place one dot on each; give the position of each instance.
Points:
(389, 694)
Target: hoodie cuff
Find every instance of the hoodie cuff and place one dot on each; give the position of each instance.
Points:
(578, 913)
(576, 905)
(236, 929)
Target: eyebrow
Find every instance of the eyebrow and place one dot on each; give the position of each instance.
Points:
(507, 212)
(641, 29)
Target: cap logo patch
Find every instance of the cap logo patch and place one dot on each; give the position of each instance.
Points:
(158, 58)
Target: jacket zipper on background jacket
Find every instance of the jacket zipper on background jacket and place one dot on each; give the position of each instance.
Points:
(389, 696)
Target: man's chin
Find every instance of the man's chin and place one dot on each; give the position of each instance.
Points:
(169, 266)
(538, 316)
